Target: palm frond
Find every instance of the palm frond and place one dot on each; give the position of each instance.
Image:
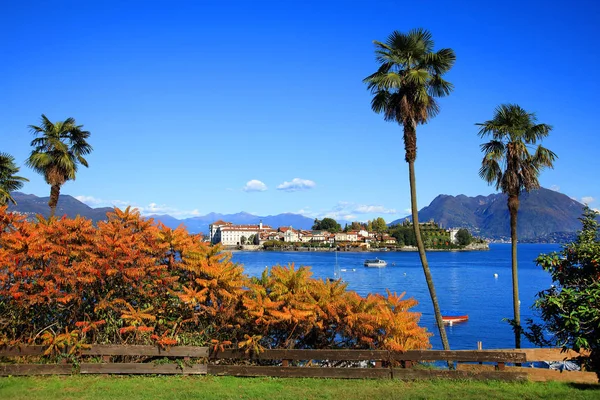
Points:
(544, 157)
(9, 181)
(439, 87)
(490, 171)
(440, 62)
(537, 132)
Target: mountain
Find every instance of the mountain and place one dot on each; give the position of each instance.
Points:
(542, 213)
(68, 205)
(201, 223)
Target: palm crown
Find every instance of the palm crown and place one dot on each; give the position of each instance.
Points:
(57, 152)
(59, 149)
(507, 160)
(9, 182)
(408, 80)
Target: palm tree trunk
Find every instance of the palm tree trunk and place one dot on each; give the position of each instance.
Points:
(54, 193)
(421, 247)
(513, 208)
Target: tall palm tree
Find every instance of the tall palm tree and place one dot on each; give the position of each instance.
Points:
(508, 163)
(404, 89)
(57, 152)
(9, 182)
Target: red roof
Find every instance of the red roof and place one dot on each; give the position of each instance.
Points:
(221, 222)
(244, 228)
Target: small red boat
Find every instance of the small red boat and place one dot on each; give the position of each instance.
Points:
(452, 319)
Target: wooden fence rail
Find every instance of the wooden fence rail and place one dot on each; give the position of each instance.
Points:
(326, 363)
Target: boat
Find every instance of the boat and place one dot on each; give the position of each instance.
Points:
(376, 263)
(452, 319)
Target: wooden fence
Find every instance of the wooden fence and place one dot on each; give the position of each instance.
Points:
(347, 364)
(543, 374)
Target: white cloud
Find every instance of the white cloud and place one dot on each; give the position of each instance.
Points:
(254, 186)
(297, 184)
(408, 210)
(89, 200)
(556, 188)
(154, 208)
(587, 199)
(151, 208)
(339, 215)
(161, 209)
(367, 209)
(348, 211)
(307, 212)
(96, 202)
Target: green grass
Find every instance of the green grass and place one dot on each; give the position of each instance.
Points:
(161, 387)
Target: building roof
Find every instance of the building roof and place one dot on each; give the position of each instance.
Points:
(221, 222)
(245, 228)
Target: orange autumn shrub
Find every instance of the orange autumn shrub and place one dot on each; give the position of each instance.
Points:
(66, 283)
(292, 310)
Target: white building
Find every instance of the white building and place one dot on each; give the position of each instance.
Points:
(351, 236)
(231, 235)
(452, 232)
(290, 234)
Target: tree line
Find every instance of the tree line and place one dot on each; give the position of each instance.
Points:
(331, 225)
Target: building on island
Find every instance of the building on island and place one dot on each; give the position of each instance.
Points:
(350, 236)
(453, 232)
(229, 234)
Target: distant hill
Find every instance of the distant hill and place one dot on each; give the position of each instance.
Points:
(201, 223)
(67, 205)
(70, 206)
(542, 213)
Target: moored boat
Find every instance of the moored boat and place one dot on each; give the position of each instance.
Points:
(376, 263)
(454, 318)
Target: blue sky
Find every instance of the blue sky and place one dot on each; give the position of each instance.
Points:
(259, 106)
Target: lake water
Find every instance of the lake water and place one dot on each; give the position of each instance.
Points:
(464, 282)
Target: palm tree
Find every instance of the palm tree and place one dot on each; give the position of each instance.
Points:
(508, 163)
(404, 89)
(57, 152)
(9, 182)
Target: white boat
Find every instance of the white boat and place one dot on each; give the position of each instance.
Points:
(376, 263)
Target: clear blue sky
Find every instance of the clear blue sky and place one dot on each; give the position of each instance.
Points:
(189, 101)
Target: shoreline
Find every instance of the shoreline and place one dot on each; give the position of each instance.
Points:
(476, 247)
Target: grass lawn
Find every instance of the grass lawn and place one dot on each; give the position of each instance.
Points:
(177, 387)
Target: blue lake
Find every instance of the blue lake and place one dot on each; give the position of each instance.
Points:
(464, 282)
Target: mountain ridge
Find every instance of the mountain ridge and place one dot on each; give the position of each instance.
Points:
(543, 214)
(68, 205)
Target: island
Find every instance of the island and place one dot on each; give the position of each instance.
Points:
(327, 235)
